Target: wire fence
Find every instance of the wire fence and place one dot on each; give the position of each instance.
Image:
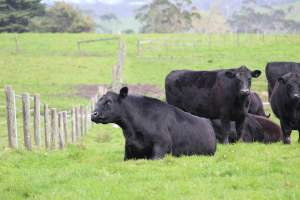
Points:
(58, 128)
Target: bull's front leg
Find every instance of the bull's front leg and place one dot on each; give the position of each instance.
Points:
(226, 131)
(159, 151)
(240, 128)
(286, 131)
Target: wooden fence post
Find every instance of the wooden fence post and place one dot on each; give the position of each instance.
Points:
(37, 116)
(118, 68)
(65, 122)
(17, 44)
(60, 130)
(86, 120)
(47, 126)
(74, 125)
(81, 121)
(26, 120)
(11, 117)
(77, 122)
(53, 127)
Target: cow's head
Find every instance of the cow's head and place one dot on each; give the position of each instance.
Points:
(108, 108)
(292, 83)
(243, 78)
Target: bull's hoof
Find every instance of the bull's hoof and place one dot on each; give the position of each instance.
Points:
(286, 140)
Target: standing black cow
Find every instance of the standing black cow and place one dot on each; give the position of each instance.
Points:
(285, 103)
(153, 128)
(220, 94)
(275, 70)
(256, 106)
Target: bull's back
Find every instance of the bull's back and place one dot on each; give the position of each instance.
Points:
(190, 90)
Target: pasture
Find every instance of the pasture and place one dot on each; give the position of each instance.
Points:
(50, 64)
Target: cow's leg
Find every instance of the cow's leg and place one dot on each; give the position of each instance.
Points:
(227, 130)
(240, 128)
(159, 151)
(299, 135)
(286, 131)
(128, 153)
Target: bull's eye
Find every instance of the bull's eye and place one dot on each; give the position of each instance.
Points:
(108, 102)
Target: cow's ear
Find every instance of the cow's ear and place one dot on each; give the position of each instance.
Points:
(256, 73)
(123, 92)
(282, 80)
(230, 74)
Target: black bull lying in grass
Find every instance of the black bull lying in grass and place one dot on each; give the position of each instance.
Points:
(153, 128)
(257, 129)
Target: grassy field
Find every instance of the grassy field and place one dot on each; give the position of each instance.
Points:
(49, 64)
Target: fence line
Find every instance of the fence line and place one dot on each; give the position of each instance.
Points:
(56, 123)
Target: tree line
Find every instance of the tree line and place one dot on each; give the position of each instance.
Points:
(157, 16)
(32, 15)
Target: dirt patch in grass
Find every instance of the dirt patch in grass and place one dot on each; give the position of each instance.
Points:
(88, 91)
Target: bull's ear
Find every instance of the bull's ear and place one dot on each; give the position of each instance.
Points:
(282, 80)
(256, 73)
(123, 92)
(230, 74)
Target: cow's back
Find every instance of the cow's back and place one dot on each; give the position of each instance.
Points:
(191, 90)
(275, 70)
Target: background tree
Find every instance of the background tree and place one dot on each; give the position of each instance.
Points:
(63, 17)
(166, 16)
(15, 15)
(266, 19)
(211, 21)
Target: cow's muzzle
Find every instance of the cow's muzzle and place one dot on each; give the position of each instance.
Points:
(245, 92)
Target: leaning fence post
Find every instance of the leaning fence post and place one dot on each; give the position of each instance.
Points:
(47, 126)
(74, 125)
(60, 130)
(11, 117)
(26, 120)
(53, 127)
(65, 122)
(37, 115)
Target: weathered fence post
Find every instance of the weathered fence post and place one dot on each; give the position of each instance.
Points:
(37, 116)
(53, 127)
(47, 126)
(26, 120)
(74, 125)
(79, 49)
(60, 130)
(65, 122)
(77, 120)
(86, 120)
(82, 120)
(17, 43)
(11, 117)
(118, 68)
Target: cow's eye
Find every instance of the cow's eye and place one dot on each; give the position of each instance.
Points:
(108, 102)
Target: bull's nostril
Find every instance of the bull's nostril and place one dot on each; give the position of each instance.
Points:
(95, 114)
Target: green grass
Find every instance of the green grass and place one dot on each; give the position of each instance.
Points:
(49, 64)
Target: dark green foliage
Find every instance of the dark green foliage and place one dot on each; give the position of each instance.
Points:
(15, 15)
(63, 17)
